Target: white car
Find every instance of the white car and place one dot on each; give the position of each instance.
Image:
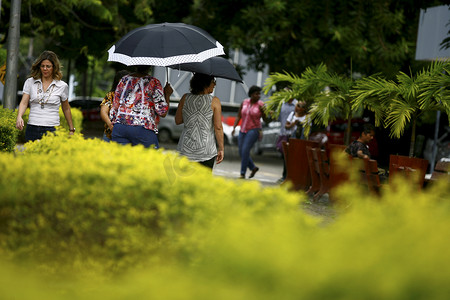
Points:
(269, 139)
(228, 138)
(168, 131)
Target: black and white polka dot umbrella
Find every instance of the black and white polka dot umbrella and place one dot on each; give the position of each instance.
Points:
(165, 44)
(215, 66)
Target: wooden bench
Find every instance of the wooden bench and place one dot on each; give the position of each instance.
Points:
(315, 177)
(322, 169)
(372, 175)
(411, 168)
(442, 169)
(297, 166)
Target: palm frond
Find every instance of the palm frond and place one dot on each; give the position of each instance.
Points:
(275, 78)
(325, 109)
(400, 113)
(408, 87)
(373, 92)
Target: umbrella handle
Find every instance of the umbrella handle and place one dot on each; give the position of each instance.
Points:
(167, 75)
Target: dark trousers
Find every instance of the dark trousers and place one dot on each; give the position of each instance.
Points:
(208, 163)
(34, 132)
(134, 135)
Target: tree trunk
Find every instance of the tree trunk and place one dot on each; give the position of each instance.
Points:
(348, 130)
(413, 138)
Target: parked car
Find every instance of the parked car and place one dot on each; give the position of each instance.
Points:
(229, 114)
(270, 132)
(168, 131)
(228, 138)
(89, 106)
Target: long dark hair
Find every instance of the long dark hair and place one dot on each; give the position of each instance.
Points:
(199, 82)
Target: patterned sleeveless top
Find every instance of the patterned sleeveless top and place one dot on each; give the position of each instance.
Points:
(197, 141)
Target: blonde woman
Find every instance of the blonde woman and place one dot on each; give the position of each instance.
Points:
(44, 92)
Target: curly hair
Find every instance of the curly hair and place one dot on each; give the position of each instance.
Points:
(253, 89)
(199, 82)
(53, 58)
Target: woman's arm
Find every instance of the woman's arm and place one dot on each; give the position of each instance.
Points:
(68, 114)
(218, 128)
(104, 114)
(290, 121)
(168, 90)
(265, 117)
(238, 118)
(179, 113)
(22, 108)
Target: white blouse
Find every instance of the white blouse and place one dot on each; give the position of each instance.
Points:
(44, 105)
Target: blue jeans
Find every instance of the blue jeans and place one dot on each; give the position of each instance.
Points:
(245, 144)
(134, 135)
(34, 132)
(106, 138)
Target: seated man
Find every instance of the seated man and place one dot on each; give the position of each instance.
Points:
(359, 148)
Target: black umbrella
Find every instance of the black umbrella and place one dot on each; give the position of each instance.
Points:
(165, 44)
(214, 66)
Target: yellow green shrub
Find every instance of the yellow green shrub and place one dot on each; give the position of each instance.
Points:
(77, 119)
(8, 130)
(85, 219)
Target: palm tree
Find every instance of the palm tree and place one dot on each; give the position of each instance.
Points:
(398, 103)
(327, 93)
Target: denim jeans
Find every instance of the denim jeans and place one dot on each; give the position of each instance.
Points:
(245, 144)
(106, 138)
(134, 135)
(34, 132)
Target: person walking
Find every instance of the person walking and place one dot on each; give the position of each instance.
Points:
(139, 102)
(251, 111)
(105, 106)
(286, 109)
(201, 114)
(44, 92)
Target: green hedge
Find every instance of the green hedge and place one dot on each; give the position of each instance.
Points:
(85, 219)
(8, 130)
(77, 119)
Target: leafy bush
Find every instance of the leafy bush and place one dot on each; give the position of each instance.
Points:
(95, 220)
(8, 131)
(77, 119)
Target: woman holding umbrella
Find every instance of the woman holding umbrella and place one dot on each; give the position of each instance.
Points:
(201, 114)
(138, 103)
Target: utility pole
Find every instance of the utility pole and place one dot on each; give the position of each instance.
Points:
(12, 56)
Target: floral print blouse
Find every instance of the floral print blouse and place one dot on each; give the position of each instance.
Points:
(107, 101)
(138, 101)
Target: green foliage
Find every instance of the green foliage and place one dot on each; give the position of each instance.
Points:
(87, 201)
(2, 56)
(327, 94)
(403, 101)
(96, 220)
(291, 35)
(77, 120)
(8, 130)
